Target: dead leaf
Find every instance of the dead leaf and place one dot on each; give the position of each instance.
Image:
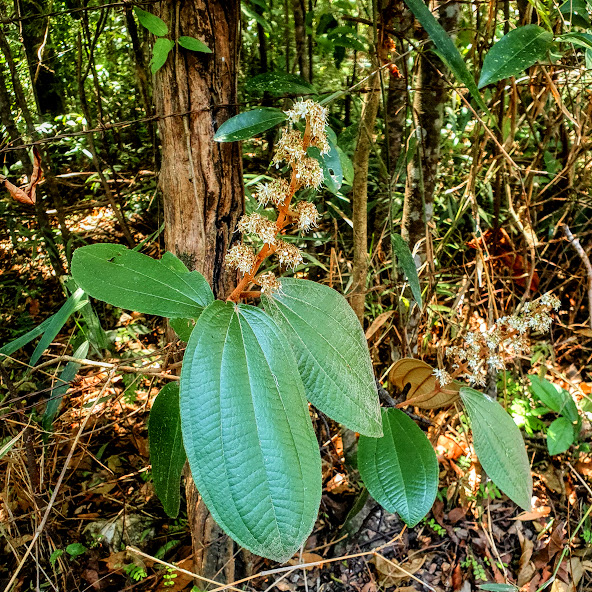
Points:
(449, 448)
(182, 580)
(540, 512)
(26, 195)
(457, 578)
(555, 544)
(378, 322)
(388, 572)
(338, 484)
(306, 558)
(425, 391)
(526, 568)
(115, 561)
(456, 515)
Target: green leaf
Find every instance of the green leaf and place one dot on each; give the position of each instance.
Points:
(446, 49)
(183, 327)
(248, 124)
(278, 83)
(331, 165)
(63, 384)
(57, 553)
(167, 454)
(491, 587)
(331, 351)
(560, 436)
(581, 39)
(247, 430)
(576, 12)
(554, 398)
(499, 446)
(407, 264)
(193, 44)
(400, 469)
(515, 52)
(74, 303)
(76, 549)
(133, 281)
(160, 53)
(151, 22)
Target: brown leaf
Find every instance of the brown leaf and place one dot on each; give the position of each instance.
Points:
(388, 572)
(457, 578)
(306, 558)
(378, 322)
(540, 512)
(456, 515)
(26, 195)
(526, 568)
(555, 544)
(425, 390)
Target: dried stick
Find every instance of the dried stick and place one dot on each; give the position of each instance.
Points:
(575, 243)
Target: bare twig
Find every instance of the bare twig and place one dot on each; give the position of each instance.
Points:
(575, 243)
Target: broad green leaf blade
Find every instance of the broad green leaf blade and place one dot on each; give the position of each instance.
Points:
(248, 124)
(173, 262)
(331, 165)
(400, 469)
(576, 13)
(183, 328)
(554, 398)
(193, 44)
(62, 386)
(407, 264)
(278, 83)
(492, 587)
(151, 22)
(74, 303)
(160, 53)
(446, 49)
(247, 430)
(331, 351)
(130, 280)
(499, 446)
(167, 454)
(560, 436)
(515, 52)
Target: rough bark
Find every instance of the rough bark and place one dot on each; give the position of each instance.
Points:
(428, 105)
(201, 183)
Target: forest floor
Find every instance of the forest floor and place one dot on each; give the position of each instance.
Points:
(102, 500)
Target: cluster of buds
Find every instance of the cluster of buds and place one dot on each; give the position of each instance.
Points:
(492, 348)
(306, 172)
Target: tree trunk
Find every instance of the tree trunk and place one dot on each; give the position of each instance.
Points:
(299, 9)
(201, 182)
(428, 106)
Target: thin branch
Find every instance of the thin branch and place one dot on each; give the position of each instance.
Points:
(575, 243)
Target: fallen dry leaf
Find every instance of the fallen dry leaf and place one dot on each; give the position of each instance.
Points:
(425, 390)
(526, 568)
(388, 572)
(26, 195)
(378, 322)
(540, 512)
(306, 558)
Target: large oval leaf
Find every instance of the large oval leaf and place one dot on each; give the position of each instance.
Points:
(515, 52)
(331, 351)
(247, 430)
(499, 446)
(554, 398)
(167, 454)
(151, 22)
(400, 469)
(248, 124)
(130, 280)
(560, 436)
(278, 83)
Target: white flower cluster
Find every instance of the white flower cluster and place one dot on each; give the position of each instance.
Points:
(289, 255)
(316, 117)
(268, 282)
(442, 377)
(241, 257)
(274, 192)
(306, 172)
(308, 215)
(260, 226)
(506, 339)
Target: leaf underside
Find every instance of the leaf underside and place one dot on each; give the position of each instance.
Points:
(247, 430)
(400, 469)
(248, 124)
(331, 352)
